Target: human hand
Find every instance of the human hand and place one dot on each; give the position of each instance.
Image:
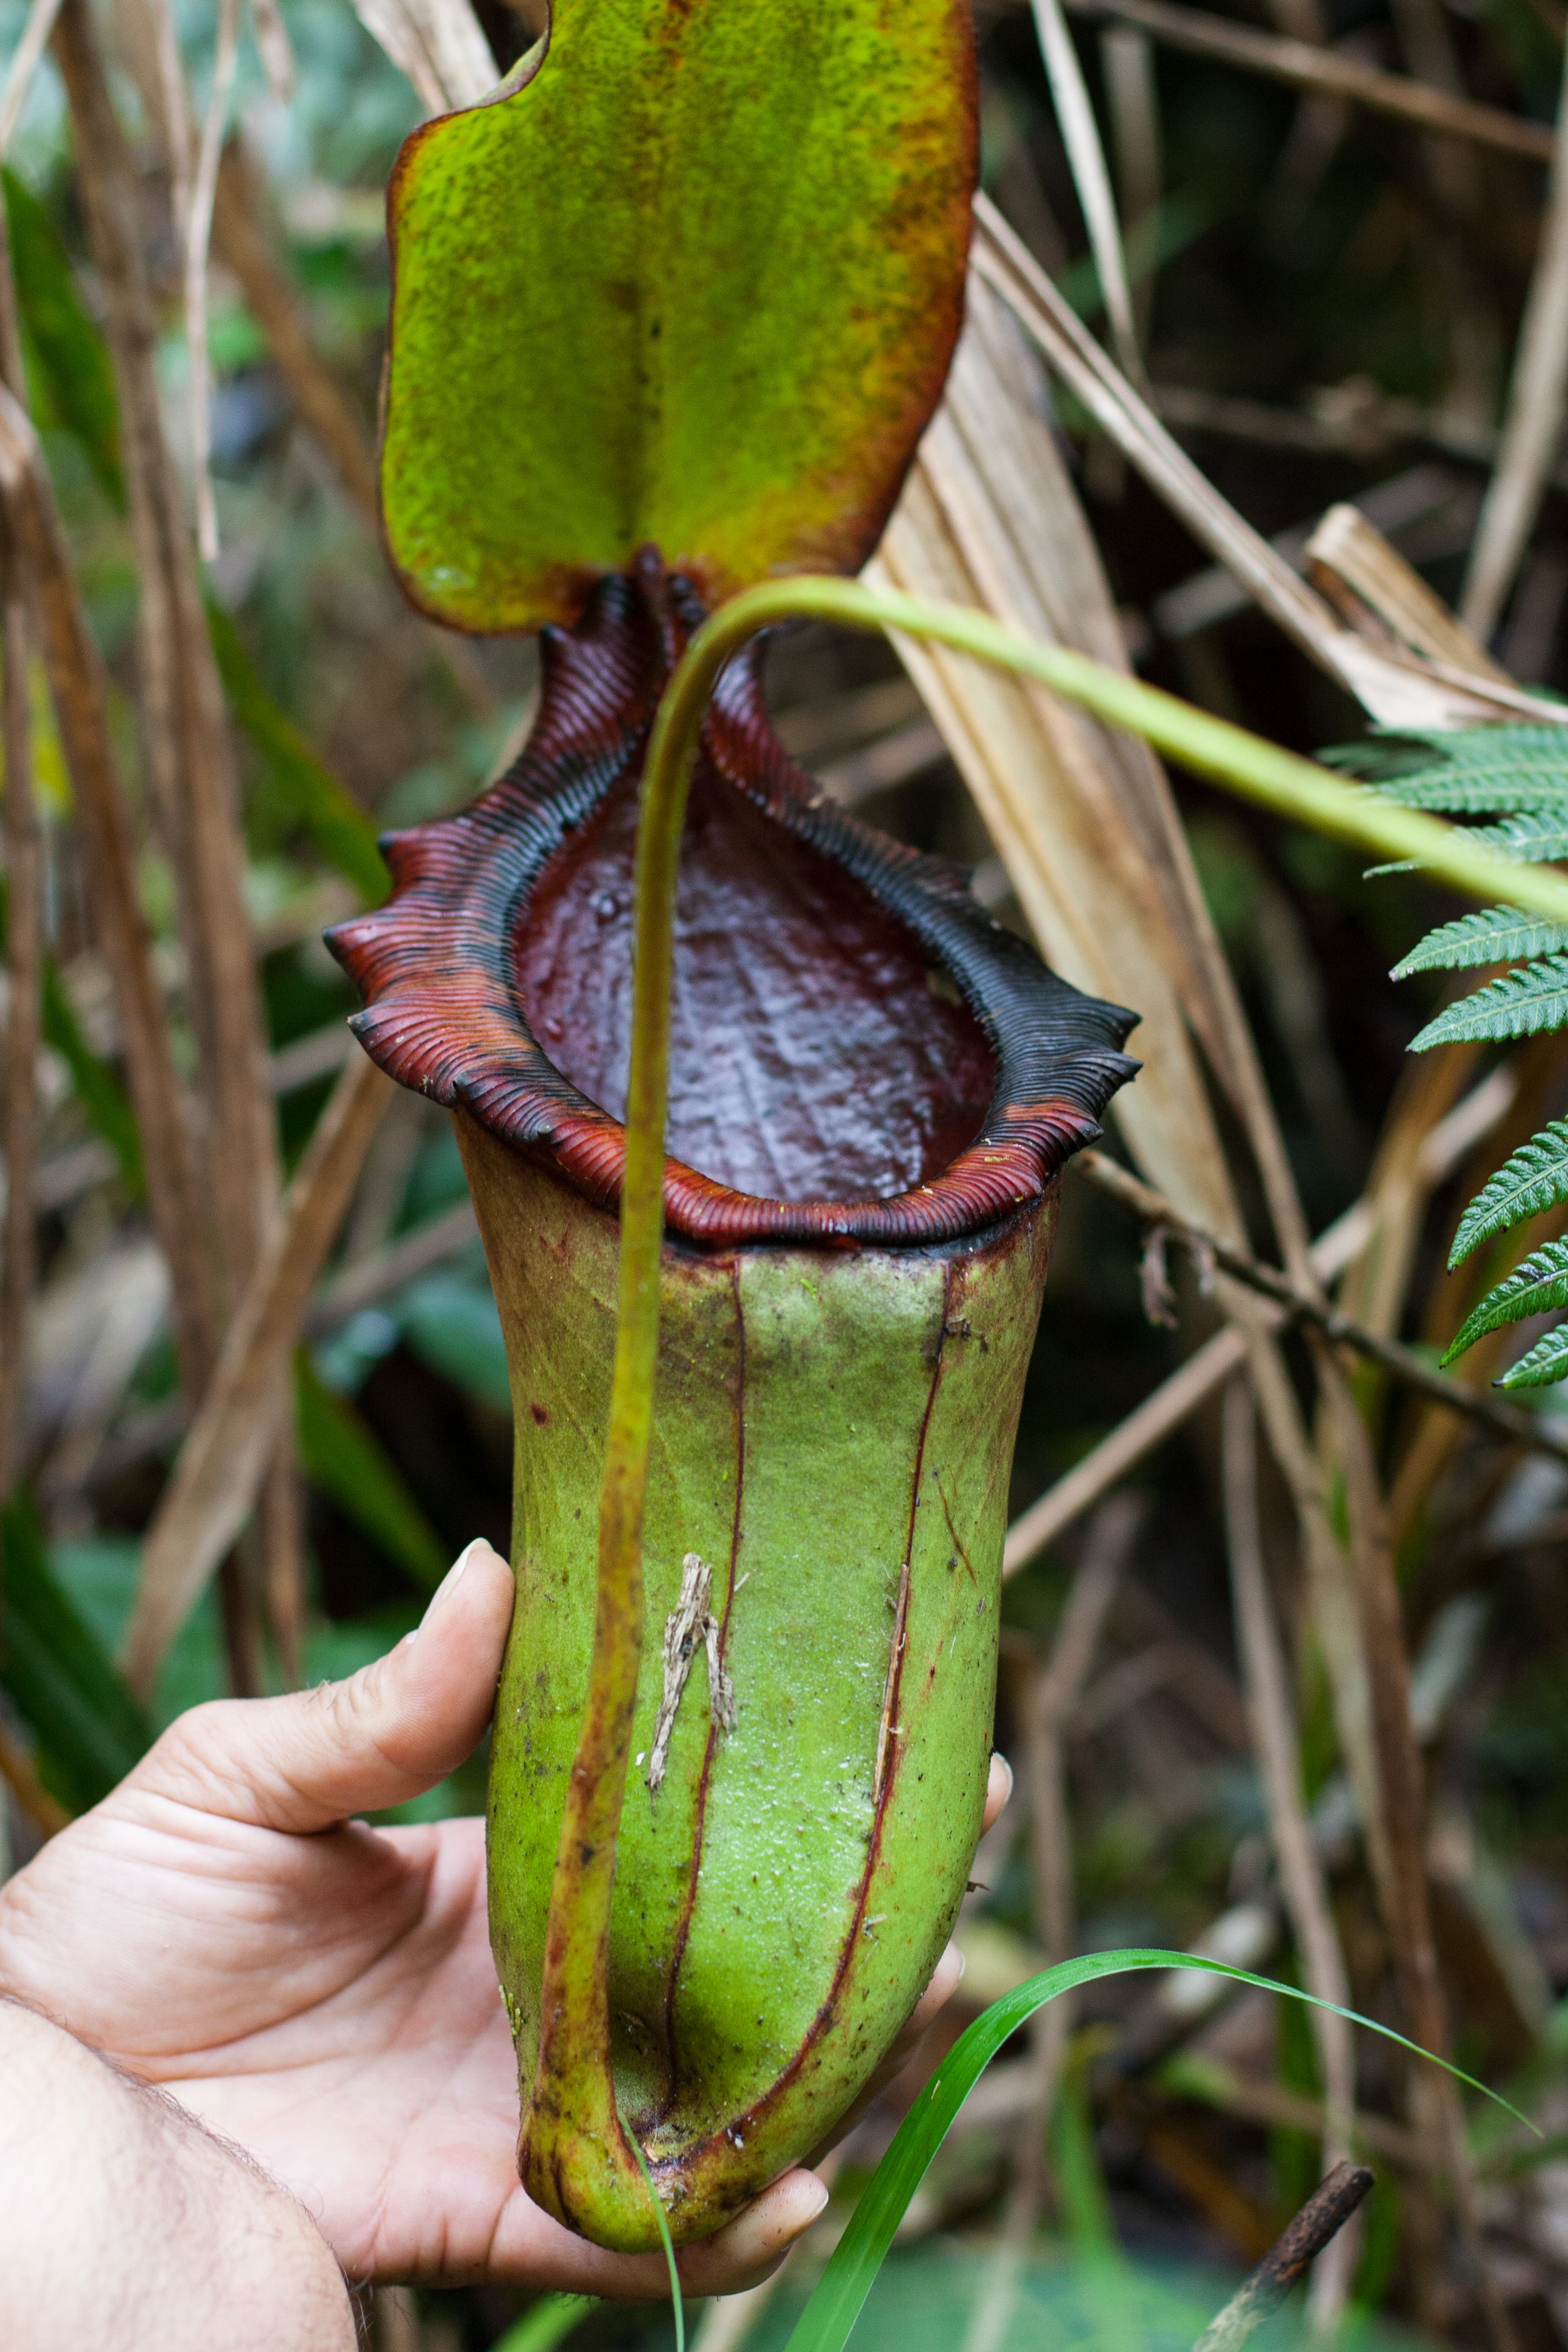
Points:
(322, 1993)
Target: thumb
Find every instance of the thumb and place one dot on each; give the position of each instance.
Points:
(386, 1734)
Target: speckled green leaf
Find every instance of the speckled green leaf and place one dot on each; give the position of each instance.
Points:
(697, 283)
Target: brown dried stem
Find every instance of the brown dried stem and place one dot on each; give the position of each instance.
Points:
(1307, 66)
(24, 944)
(221, 1467)
(78, 690)
(1405, 1364)
(1324, 2214)
(1275, 1744)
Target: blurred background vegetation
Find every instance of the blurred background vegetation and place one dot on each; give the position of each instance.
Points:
(1328, 303)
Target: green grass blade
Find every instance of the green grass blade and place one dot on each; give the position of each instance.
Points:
(1547, 1362)
(67, 350)
(677, 2301)
(101, 1095)
(1520, 1004)
(324, 807)
(1533, 1179)
(89, 1727)
(551, 2319)
(841, 2292)
(341, 1455)
(1498, 935)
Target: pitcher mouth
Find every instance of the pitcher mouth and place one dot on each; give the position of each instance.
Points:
(860, 1052)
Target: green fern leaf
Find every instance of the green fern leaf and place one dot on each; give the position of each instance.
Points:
(1500, 935)
(1403, 754)
(1520, 1004)
(1547, 1362)
(1533, 1288)
(1529, 840)
(1536, 1177)
(1480, 790)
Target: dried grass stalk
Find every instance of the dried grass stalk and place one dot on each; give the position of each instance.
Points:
(1532, 426)
(219, 1472)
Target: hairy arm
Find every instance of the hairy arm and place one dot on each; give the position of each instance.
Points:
(124, 2224)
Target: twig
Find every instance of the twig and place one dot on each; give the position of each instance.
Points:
(196, 233)
(1533, 424)
(1086, 159)
(24, 65)
(1397, 688)
(1054, 1692)
(376, 1276)
(1309, 67)
(29, 1791)
(240, 246)
(1326, 2212)
(221, 1465)
(1507, 1421)
(1275, 1747)
(78, 690)
(1209, 1366)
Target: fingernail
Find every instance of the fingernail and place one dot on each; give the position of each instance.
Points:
(997, 1757)
(818, 2203)
(449, 1582)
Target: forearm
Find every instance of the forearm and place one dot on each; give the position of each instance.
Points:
(124, 2225)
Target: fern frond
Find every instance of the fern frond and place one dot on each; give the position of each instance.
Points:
(1500, 935)
(1518, 1004)
(1536, 1286)
(1534, 1179)
(1402, 754)
(1547, 1362)
(1533, 839)
(1480, 791)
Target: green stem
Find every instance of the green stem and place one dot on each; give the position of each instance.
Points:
(1227, 755)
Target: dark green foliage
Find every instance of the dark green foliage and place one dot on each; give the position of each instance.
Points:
(102, 1096)
(1496, 935)
(1518, 1004)
(341, 1455)
(66, 351)
(1535, 1178)
(100, 1093)
(334, 819)
(89, 1727)
(1537, 1285)
(1522, 773)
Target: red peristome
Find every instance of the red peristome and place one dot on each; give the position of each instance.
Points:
(860, 1054)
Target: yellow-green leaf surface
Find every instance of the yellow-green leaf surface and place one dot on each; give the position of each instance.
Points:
(695, 283)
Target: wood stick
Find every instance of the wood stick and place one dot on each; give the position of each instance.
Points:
(78, 690)
(238, 242)
(1309, 67)
(1186, 1389)
(1307, 1307)
(1326, 2212)
(1277, 1747)
(1532, 426)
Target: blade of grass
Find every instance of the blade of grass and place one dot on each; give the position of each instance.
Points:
(550, 2322)
(324, 807)
(341, 1454)
(841, 2294)
(89, 1727)
(65, 341)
